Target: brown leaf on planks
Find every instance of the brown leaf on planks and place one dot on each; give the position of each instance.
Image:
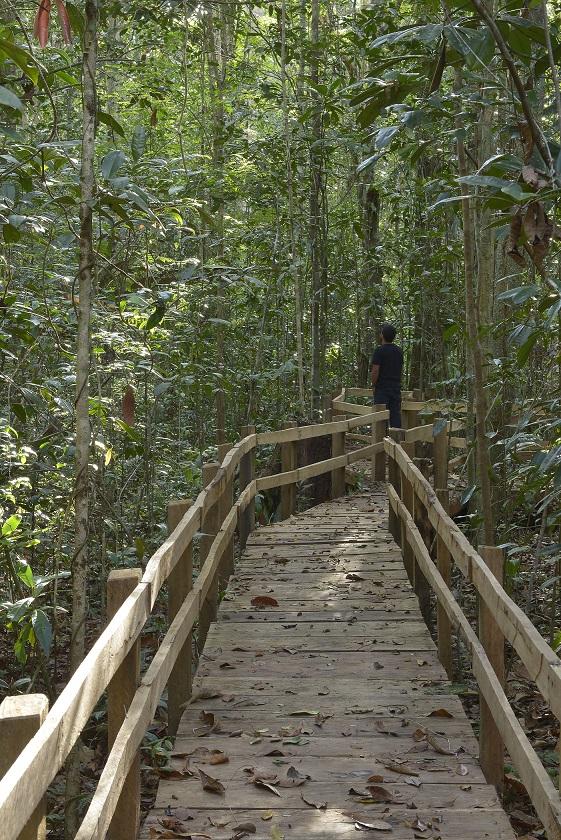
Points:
(315, 803)
(210, 784)
(440, 713)
(209, 724)
(128, 405)
(377, 825)
(380, 794)
(219, 757)
(261, 601)
(437, 746)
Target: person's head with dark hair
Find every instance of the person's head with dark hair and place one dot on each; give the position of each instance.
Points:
(388, 333)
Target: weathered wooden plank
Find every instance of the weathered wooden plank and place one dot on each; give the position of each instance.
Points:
(334, 824)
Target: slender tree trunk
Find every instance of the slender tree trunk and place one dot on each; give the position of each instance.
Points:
(474, 341)
(218, 50)
(315, 222)
(292, 223)
(83, 429)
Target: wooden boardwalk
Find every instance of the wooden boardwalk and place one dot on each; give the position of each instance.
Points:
(321, 706)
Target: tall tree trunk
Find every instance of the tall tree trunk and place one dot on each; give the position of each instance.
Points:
(218, 50)
(83, 429)
(315, 222)
(474, 340)
(292, 222)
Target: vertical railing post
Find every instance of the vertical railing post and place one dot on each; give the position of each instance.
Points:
(209, 529)
(327, 410)
(420, 517)
(288, 463)
(378, 463)
(444, 565)
(491, 746)
(226, 568)
(180, 583)
(338, 441)
(440, 455)
(247, 474)
(407, 497)
(394, 478)
(20, 719)
(120, 693)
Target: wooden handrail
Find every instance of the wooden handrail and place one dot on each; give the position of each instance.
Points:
(540, 660)
(543, 793)
(22, 788)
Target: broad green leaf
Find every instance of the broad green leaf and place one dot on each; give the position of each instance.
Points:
(132, 433)
(21, 58)
(27, 577)
(138, 142)
(449, 332)
(161, 388)
(42, 629)
(366, 164)
(467, 494)
(112, 162)
(476, 46)
(155, 317)
(385, 135)
(10, 99)
(520, 294)
(525, 349)
(19, 411)
(11, 525)
(111, 122)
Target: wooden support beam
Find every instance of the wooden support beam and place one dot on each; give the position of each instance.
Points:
(440, 455)
(378, 463)
(327, 411)
(420, 517)
(120, 693)
(20, 719)
(180, 583)
(226, 568)
(338, 475)
(209, 529)
(394, 473)
(408, 500)
(444, 565)
(288, 463)
(247, 474)
(491, 744)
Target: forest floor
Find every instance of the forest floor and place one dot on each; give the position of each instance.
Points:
(541, 727)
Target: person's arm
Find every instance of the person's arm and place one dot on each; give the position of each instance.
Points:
(375, 373)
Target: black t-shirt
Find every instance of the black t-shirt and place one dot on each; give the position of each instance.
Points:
(390, 359)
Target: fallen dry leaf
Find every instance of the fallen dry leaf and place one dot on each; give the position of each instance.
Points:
(219, 757)
(262, 783)
(461, 770)
(276, 833)
(441, 713)
(267, 815)
(264, 601)
(412, 780)
(380, 794)
(209, 783)
(315, 803)
(377, 825)
(437, 746)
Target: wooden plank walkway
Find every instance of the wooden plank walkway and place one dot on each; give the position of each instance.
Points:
(330, 705)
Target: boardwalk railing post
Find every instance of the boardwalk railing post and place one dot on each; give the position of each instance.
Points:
(491, 746)
(288, 463)
(20, 719)
(444, 565)
(247, 474)
(407, 497)
(327, 411)
(394, 478)
(378, 468)
(180, 583)
(338, 440)
(120, 693)
(226, 567)
(440, 455)
(420, 516)
(209, 529)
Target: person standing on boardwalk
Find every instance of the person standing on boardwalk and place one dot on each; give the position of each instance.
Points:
(387, 367)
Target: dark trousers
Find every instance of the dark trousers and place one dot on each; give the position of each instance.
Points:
(390, 396)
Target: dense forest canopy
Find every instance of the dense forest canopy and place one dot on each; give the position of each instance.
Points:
(207, 212)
